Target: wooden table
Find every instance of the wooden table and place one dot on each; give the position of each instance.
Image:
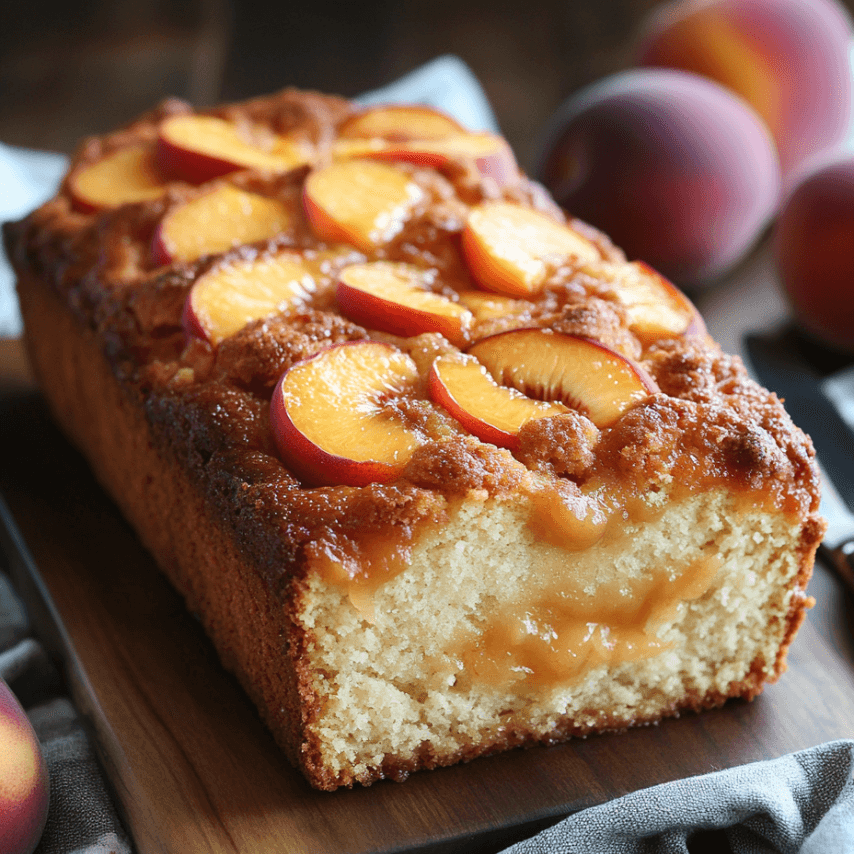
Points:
(192, 767)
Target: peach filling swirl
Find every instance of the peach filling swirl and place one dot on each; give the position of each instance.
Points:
(573, 622)
(570, 623)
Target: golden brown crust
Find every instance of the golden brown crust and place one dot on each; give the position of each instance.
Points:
(562, 445)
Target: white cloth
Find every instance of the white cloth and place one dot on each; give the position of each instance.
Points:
(27, 179)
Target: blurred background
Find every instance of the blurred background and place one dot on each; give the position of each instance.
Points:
(69, 68)
(691, 198)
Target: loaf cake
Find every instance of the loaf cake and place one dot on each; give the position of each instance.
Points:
(440, 470)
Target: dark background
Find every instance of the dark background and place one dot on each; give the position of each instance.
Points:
(80, 67)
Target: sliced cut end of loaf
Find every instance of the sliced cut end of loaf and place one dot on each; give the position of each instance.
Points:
(394, 681)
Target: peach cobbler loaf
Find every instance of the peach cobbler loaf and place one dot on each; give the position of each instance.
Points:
(441, 471)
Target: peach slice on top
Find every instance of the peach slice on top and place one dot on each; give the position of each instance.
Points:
(200, 148)
(400, 122)
(583, 374)
(510, 249)
(485, 305)
(656, 307)
(359, 202)
(394, 297)
(124, 176)
(218, 221)
(347, 149)
(331, 417)
(492, 412)
(490, 154)
(230, 295)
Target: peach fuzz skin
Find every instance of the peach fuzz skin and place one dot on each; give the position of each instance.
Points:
(814, 253)
(673, 167)
(24, 785)
(787, 58)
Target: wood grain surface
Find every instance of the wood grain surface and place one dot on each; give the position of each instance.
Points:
(194, 769)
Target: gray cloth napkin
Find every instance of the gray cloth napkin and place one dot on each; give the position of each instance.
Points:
(799, 804)
(81, 816)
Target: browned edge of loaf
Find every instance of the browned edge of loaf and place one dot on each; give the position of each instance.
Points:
(107, 422)
(178, 524)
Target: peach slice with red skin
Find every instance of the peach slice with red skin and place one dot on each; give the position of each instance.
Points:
(656, 307)
(394, 297)
(492, 412)
(360, 202)
(230, 295)
(486, 305)
(399, 122)
(581, 373)
(510, 249)
(200, 148)
(348, 149)
(331, 417)
(124, 176)
(218, 221)
(489, 153)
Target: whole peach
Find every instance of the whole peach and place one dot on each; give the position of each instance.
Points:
(24, 788)
(814, 251)
(675, 168)
(789, 59)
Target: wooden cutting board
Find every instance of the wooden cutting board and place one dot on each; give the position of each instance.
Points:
(193, 768)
